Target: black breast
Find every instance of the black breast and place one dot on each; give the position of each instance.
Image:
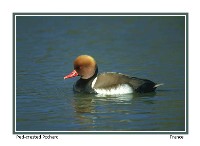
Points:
(84, 86)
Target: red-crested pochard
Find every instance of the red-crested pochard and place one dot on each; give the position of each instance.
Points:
(106, 83)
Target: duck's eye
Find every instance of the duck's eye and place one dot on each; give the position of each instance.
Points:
(77, 67)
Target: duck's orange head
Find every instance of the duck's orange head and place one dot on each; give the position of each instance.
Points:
(84, 66)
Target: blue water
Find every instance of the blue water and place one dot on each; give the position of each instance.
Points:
(146, 47)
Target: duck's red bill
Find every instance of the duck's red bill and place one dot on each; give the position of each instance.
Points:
(71, 75)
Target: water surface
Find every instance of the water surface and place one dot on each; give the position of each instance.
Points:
(146, 47)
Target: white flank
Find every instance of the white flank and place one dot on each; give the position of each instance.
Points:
(121, 89)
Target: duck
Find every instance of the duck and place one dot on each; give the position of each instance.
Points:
(106, 83)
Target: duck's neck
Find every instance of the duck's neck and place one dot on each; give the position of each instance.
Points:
(85, 85)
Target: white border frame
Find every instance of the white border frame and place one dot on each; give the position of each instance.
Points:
(106, 132)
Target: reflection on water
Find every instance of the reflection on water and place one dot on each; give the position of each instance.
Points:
(92, 108)
(84, 103)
